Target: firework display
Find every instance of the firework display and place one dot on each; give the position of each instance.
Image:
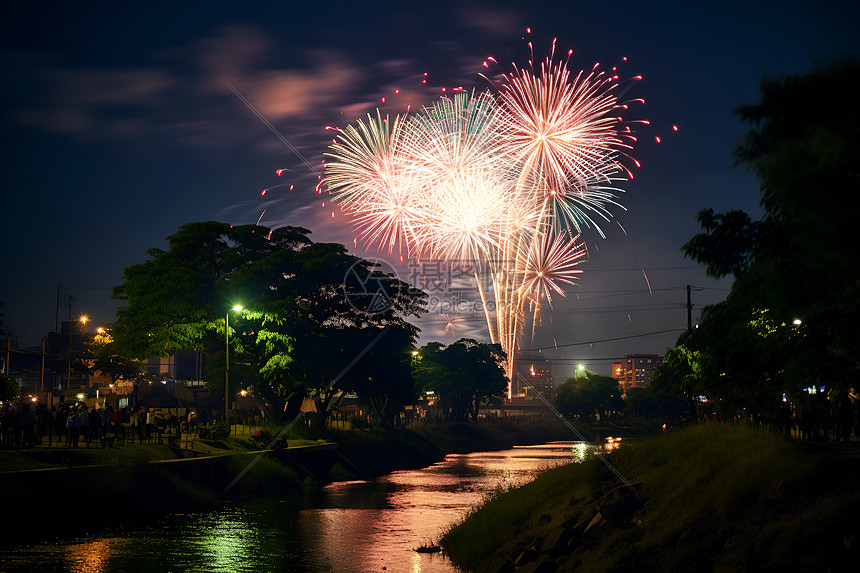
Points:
(504, 181)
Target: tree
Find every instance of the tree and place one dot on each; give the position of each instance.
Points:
(300, 328)
(799, 260)
(677, 383)
(9, 389)
(728, 244)
(590, 397)
(385, 382)
(103, 356)
(463, 375)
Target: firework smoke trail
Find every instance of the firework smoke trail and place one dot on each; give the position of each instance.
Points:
(503, 181)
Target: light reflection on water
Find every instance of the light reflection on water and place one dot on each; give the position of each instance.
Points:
(353, 526)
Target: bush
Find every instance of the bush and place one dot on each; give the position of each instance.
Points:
(264, 437)
(220, 431)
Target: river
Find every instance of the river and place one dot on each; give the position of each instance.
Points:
(361, 526)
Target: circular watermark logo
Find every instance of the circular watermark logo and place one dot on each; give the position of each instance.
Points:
(371, 286)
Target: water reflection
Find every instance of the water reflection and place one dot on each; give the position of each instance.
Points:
(371, 525)
(352, 526)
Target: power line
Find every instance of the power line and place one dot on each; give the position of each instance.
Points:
(639, 269)
(557, 346)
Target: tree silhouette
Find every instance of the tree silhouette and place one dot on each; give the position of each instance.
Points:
(800, 260)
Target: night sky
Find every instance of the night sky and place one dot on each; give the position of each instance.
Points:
(119, 126)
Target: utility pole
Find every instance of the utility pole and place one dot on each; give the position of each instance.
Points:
(57, 313)
(689, 308)
(42, 385)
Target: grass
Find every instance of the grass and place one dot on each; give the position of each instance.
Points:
(719, 497)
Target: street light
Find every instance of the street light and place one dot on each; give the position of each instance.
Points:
(227, 372)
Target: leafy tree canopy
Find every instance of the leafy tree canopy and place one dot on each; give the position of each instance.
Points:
(301, 324)
(462, 375)
(590, 397)
(799, 260)
(9, 389)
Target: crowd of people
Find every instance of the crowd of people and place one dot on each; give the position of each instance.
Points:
(73, 424)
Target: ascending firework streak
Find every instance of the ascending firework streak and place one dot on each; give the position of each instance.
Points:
(504, 182)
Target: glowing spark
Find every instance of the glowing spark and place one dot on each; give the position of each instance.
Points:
(264, 191)
(650, 292)
(504, 182)
(450, 323)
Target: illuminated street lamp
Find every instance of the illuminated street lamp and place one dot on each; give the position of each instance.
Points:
(237, 308)
(797, 322)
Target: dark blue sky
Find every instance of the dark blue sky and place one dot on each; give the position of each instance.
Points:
(118, 126)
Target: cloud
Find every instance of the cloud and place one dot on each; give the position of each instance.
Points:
(186, 98)
(184, 101)
(492, 21)
(281, 94)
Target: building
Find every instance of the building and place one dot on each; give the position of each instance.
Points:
(636, 370)
(532, 371)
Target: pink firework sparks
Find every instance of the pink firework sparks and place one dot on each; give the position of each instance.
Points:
(504, 182)
(551, 261)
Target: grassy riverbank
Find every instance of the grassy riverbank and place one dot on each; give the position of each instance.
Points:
(712, 497)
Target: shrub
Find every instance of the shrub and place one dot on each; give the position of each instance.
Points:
(220, 431)
(264, 437)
